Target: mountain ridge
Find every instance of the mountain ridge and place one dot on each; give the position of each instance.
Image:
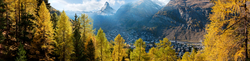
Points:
(106, 9)
(183, 19)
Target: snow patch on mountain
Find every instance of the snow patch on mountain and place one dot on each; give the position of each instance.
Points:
(106, 10)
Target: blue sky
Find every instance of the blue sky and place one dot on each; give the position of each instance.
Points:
(92, 5)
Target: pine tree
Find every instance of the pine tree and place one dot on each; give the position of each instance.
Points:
(78, 44)
(2, 19)
(64, 38)
(102, 47)
(119, 52)
(54, 19)
(21, 53)
(91, 51)
(18, 24)
(41, 46)
(85, 25)
(6, 35)
(139, 53)
(26, 22)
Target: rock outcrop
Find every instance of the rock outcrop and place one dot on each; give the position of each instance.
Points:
(183, 19)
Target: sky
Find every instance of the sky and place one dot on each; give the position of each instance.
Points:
(93, 5)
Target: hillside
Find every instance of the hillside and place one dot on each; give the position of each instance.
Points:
(53, 10)
(182, 20)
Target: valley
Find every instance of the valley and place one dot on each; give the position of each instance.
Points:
(145, 19)
(124, 30)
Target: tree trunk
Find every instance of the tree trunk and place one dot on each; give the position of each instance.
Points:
(64, 52)
(246, 32)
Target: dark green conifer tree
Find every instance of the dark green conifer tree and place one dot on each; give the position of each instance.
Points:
(91, 51)
(2, 19)
(54, 19)
(21, 55)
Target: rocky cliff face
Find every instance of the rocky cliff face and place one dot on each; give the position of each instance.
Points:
(182, 19)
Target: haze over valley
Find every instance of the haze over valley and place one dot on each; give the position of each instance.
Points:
(182, 20)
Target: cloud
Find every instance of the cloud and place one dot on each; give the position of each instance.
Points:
(121, 2)
(161, 2)
(82, 5)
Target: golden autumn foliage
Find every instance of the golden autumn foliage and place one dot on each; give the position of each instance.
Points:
(119, 51)
(165, 50)
(186, 56)
(86, 25)
(103, 52)
(53, 38)
(83, 34)
(64, 45)
(199, 56)
(190, 56)
(139, 53)
(225, 38)
(153, 53)
(87, 34)
(41, 45)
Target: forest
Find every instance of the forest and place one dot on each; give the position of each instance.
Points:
(30, 32)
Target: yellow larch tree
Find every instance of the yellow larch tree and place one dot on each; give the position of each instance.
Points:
(192, 55)
(83, 33)
(103, 52)
(41, 46)
(119, 51)
(226, 33)
(19, 26)
(139, 53)
(165, 50)
(186, 56)
(86, 26)
(64, 39)
(199, 56)
(87, 33)
(153, 53)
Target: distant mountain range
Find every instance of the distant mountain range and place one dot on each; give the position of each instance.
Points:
(182, 20)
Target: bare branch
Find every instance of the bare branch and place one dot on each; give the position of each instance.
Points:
(232, 25)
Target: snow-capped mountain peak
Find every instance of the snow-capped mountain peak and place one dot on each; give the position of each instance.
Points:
(106, 6)
(106, 9)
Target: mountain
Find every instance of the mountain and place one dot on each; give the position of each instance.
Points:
(141, 9)
(53, 10)
(128, 21)
(183, 20)
(132, 14)
(106, 9)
